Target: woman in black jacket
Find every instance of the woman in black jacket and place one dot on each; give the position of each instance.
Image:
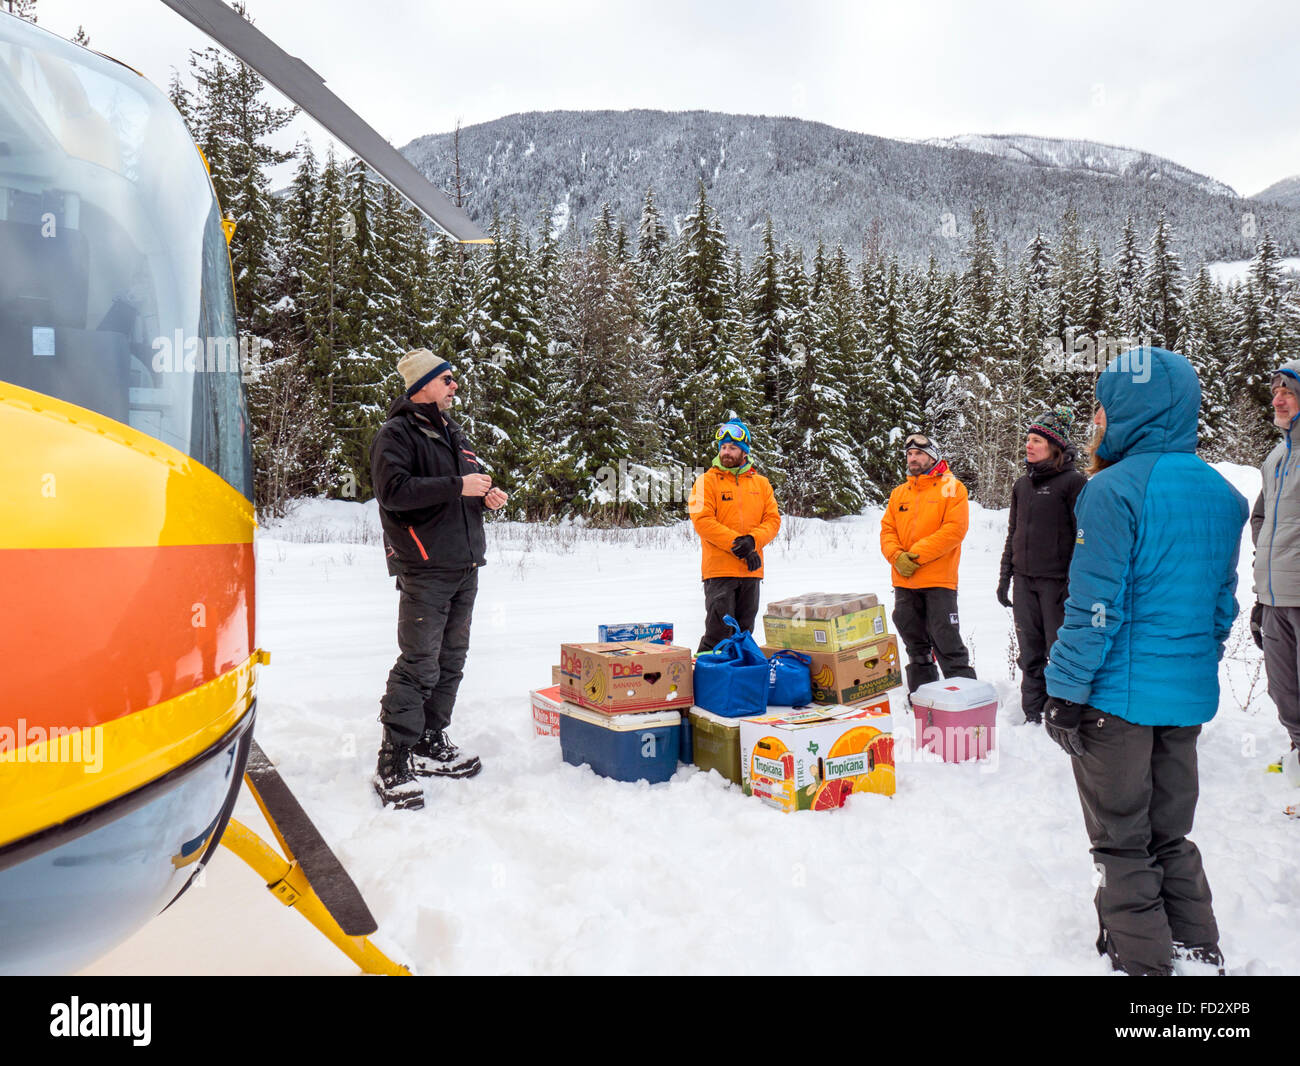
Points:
(1040, 544)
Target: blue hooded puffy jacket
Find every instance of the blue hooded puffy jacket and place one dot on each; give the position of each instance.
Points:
(1155, 559)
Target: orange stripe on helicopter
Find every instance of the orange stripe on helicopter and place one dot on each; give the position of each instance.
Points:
(103, 632)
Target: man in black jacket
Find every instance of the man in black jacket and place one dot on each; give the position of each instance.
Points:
(1040, 545)
(431, 492)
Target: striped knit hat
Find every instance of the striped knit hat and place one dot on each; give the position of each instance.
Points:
(1054, 426)
(419, 367)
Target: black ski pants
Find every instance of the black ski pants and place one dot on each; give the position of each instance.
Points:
(735, 596)
(1138, 787)
(1038, 605)
(926, 620)
(433, 621)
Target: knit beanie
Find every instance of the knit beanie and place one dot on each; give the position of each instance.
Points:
(1054, 426)
(925, 443)
(419, 367)
(734, 431)
(1287, 375)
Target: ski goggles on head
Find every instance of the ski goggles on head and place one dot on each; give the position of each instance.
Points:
(731, 431)
(1283, 372)
(919, 441)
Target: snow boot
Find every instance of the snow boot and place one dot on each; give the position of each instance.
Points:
(1198, 960)
(394, 782)
(434, 755)
(919, 674)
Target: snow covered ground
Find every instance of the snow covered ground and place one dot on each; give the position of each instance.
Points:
(535, 866)
(1226, 272)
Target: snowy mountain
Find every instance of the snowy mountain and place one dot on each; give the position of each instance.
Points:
(1286, 192)
(818, 182)
(1089, 156)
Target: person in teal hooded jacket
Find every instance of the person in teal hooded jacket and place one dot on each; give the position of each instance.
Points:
(1134, 672)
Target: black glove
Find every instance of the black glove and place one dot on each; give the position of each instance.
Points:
(1257, 625)
(1061, 719)
(753, 560)
(742, 546)
(1004, 586)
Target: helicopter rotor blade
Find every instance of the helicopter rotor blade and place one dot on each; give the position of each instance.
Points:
(302, 85)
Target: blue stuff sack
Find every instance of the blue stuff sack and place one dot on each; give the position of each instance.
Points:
(789, 679)
(731, 680)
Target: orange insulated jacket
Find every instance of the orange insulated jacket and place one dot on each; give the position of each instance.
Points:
(725, 506)
(927, 515)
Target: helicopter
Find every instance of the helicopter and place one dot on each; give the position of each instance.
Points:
(127, 631)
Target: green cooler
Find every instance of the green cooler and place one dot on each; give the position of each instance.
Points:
(716, 742)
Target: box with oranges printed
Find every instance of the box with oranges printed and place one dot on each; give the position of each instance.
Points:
(815, 758)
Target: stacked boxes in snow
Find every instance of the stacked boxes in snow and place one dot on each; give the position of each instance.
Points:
(623, 704)
(853, 656)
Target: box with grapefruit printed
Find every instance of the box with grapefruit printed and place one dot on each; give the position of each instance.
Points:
(815, 758)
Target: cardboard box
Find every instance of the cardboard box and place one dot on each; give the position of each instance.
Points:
(555, 674)
(547, 704)
(825, 634)
(814, 759)
(855, 674)
(655, 632)
(626, 677)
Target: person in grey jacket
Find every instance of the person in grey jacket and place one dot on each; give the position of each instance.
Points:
(1275, 528)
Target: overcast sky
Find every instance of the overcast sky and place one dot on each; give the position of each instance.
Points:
(1209, 85)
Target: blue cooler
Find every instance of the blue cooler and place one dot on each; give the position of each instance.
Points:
(625, 747)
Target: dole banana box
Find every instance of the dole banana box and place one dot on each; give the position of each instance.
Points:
(815, 758)
(853, 674)
(825, 634)
(625, 677)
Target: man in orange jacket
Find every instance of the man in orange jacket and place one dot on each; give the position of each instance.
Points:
(734, 511)
(921, 534)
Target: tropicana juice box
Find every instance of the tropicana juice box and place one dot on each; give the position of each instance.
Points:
(627, 676)
(815, 758)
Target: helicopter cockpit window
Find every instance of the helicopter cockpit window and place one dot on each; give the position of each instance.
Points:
(115, 288)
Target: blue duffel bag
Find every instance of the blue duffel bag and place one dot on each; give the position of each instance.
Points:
(789, 679)
(731, 680)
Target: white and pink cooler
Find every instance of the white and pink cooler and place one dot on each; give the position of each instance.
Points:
(956, 718)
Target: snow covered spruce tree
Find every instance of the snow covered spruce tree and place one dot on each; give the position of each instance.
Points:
(233, 123)
(598, 459)
(1205, 343)
(1262, 344)
(1128, 317)
(1163, 289)
(503, 370)
(708, 362)
(936, 335)
(823, 476)
(975, 428)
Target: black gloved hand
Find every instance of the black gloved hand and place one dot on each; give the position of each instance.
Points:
(1061, 719)
(1257, 625)
(753, 560)
(742, 546)
(1004, 587)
